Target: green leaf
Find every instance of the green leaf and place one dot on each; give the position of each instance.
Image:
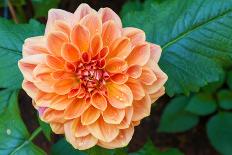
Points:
(220, 133)
(12, 37)
(41, 7)
(14, 137)
(131, 6)
(202, 104)
(229, 79)
(150, 149)
(62, 147)
(196, 41)
(46, 129)
(225, 99)
(175, 118)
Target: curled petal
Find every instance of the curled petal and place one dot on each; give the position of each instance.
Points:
(70, 53)
(155, 52)
(90, 116)
(116, 65)
(53, 116)
(119, 78)
(99, 101)
(62, 26)
(30, 88)
(142, 108)
(63, 87)
(139, 55)
(54, 62)
(83, 10)
(136, 35)
(103, 131)
(113, 115)
(127, 119)
(96, 44)
(157, 94)
(110, 32)
(121, 140)
(119, 96)
(134, 71)
(76, 109)
(57, 128)
(27, 70)
(136, 88)
(80, 37)
(108, 14)
(148, 76)
(79, 129)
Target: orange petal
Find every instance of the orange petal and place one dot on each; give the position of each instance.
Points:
(62, 26)
(157, 94)
(120, 48)
(93, 23)
(127, 119)
(30, 88)
(80, 36)
(119, 96)
(122, 140)
(55, 40)
(80, 143)
(108, 14)
(83, 10)
(79, 129)
(58, 14)
(27, 70)
(148, 76)
(34, 59)
(70, 53)
(64, 86)
(57, 128)
(139, 55)
(59, 102)
(99, 101)
(119, 78)
(142, 108)
(54, 116)
(34, 45)
(103, 131)
(116, 65)
(76, 108)
(134, 71)
(96, 44)
(43, 99)
(41, 69)
(136, 35)
(54, 62)
(136, 88)
(90, 116)
(113, 115)
(110, 32)
(155, 52)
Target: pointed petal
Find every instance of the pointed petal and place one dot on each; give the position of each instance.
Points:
(119, 78)
(59, 102)
(63, 87)
(30, 88)
(127, 119)
(99, 101)
(113, 115)
(142, 108)
(148, 76)
(108, 14)
(119, 96)
(57, 128)
(62, 26)
(90, 116)
(155, 52)
(136, 35)
(76, 108)
(54, 116)
(110, 32)
(70, 53)
(83, 10)
(79, 129)
(134, 71)
(55, 62)
(96, 44)
(103, 131)
(55, 40)
(80, 37)
(27, 70)
(157, 94)
(116, 65)
(136, 88)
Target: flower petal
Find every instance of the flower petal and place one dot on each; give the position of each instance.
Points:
(139, 55)
(90, 116)
(96, 44)
(55, 40)
(157, 94)
(136, 35)
(119, 78)
(116, 65)
(55, 62)
(136, 88)
(127, 119)
(83, 10)
(110, 32)
(76, 109)
(119, 96)
(108, 14)
(54, 116)
(103, 131)
(57, 128)
(30, 88)
(80, 37)
(99, 101)
(70, 53)
(142, 108)
(148, 76)
(134, 71)
(64, 86)
(113, 115)
(79, 129)
(62, 26)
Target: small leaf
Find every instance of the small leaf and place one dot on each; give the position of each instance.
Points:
(225, 99)
(229, 79)
(46, 129)
(202, 104)
(12, 37)
(220, 133)
(175, 118)
(13, 133)
(41, 7)
(150, 149)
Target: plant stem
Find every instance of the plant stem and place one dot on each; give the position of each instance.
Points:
(33, 135)
(12, 11)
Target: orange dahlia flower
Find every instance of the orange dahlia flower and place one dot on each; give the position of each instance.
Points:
(91, 79)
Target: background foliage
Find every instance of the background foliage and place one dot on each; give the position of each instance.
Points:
(196, 38)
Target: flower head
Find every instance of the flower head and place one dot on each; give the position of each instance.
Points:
(91, 79)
